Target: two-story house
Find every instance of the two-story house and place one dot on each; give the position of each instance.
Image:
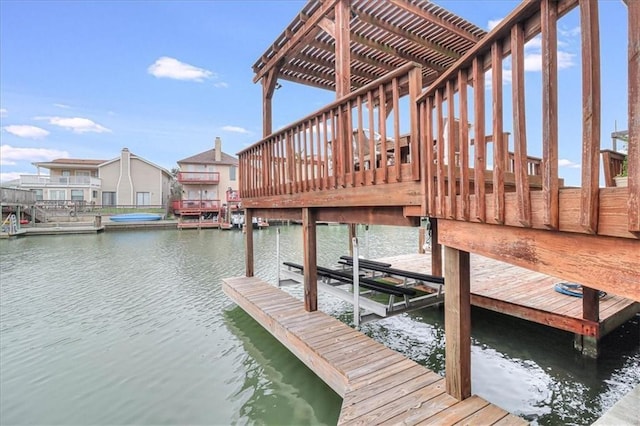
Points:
(128, 180)
(209, 185)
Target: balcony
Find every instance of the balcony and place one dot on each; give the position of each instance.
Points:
(39, 181)
(198, 177)
(180, 206)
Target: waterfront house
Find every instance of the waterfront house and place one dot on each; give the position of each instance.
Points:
(209, 184)
(403, 69)
(125, 181)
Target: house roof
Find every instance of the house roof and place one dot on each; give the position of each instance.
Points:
(75, 162)
(209, 157)
(384, 34)
(137, 157)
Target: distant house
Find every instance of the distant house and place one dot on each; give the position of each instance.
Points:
(209, 182)
(127, 180)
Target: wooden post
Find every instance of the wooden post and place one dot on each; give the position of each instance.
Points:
(248, 242)
(633, 160)
(269, 82)
(310, 260)
(457, 323)
(436, 249)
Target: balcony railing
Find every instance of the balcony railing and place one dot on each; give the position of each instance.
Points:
(59, 181)
(233, 197)
(199, 177)
(209, 205)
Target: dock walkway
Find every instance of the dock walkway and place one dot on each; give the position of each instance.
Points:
(529, 295)
(377, 384)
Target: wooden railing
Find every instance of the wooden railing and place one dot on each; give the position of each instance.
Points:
(462, 192)
(198, 177)
(196, 204)
(355, 141)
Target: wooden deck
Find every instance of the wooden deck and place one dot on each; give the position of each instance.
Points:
(529, 295)
(377, 384)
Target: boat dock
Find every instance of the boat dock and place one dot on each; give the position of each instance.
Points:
(529, 295)
(377, 384)
(625, 412)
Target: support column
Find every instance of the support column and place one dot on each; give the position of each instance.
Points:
(589, 345)
(310, 260)
(248, 242)
(457, 323)
(436, 249)
(352, 235)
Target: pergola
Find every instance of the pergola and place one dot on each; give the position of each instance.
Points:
(342, 45)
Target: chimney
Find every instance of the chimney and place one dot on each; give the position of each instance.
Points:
(218, 149)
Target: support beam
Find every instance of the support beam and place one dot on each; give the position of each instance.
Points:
(457, 323)
(248, 242)
(310, 260)
(343, 41)
(268, 87)
(634, 116)
(436, 249)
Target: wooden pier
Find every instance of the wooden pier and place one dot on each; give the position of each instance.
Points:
(377, 384)
(530, 295)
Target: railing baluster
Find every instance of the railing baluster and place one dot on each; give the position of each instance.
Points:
(315, 160)
(499, 155)
(325, 156)
(304, 156)
(360, 144)
(463, 143)
(382, 125)
(372, 140)
(431, 190)
(590, 115)
(415, 85)
(349, 162)
(440, 178)
(519, 125)
(479, 162)
(396, 128)
(451, 153)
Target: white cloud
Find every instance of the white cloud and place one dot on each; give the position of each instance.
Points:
(76, 124)
(26, 131)
(221, 85)
(568, 163)
(493, 23)
(9, 155)
(236, 129)
(3, 112)
(63, 106)
(9, 176)
(166, 67)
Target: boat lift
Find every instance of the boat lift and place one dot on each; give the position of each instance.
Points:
(374, 289)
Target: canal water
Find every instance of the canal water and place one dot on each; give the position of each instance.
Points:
(133, 328)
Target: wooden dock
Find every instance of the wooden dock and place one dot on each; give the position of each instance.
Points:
(529, 295)
(377, 384)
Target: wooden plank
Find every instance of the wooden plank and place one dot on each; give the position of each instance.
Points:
(382, 126)
(451, 154)
(590, 33)
(519, 125)
(480, 164)
(396, 125)
(440, 176)
(457, 323)
(436, 249)
(372, 376)
(463, 143)
(401, 383)
(550, 187)
(363, 414)
(633, 156)
(487, 415)
(499, 154)
(457, 412)
(415, 86)
(433, 400)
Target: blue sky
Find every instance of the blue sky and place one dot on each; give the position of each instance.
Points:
(84, 79)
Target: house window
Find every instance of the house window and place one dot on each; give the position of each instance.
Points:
(108, 198)
(77, 195)
(232, 173)
(57, 194)
(38, 193)
(143, 198)
(66, 173)
(83, 173)
(94, 194)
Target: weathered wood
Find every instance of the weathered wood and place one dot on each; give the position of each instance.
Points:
(550, 187)
(415, 84)
(440, 175)
(452, 165)
(590, 33)
(633, 159)
(248, 243)
(436, 249)
(590, 304)
(430, 168)
(499, 154)
(268, 87)
(457, 323)
(396, 125)
(519, 125)
(463, 143)
(310, 260)
(567, 255)
(480, 152)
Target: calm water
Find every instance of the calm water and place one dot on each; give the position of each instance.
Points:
(133, 328)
